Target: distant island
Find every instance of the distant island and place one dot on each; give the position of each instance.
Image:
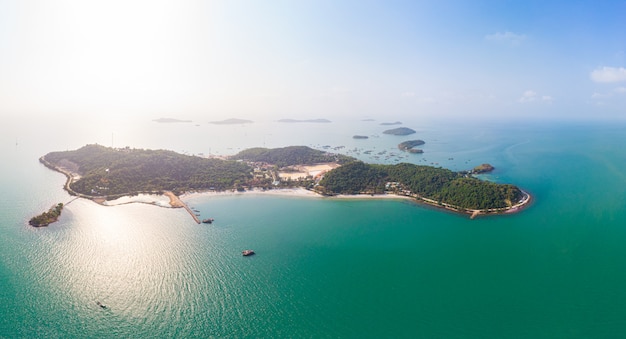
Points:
(360, 137)
(307, 120)
(391, 123)
(368, 120)
(399, 131)
(231, 122)
(169, 120)
(46, 218)
(408, 146)
(102, 173)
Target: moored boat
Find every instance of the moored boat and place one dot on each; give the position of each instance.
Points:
(208, 220)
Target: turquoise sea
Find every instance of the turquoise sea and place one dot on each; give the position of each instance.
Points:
(324, 268)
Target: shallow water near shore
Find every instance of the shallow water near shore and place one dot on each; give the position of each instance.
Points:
(323, 268)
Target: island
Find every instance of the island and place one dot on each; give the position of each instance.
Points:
(368, 119)
(360, 137)
(306, 120)
(484, 168)
(232, 121)
(103, 173)
(399, 131)
(46, 218)
(169, 120)
(391, 123)
(408, 146)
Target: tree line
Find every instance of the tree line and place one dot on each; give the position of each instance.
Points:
(289, 156)
(439, 184)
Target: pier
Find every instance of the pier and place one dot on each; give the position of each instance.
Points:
(176, 203)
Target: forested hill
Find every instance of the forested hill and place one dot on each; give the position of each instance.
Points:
(109, 171)
(438, 184)
(289, 156)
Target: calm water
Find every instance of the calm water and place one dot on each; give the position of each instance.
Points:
(324, 268)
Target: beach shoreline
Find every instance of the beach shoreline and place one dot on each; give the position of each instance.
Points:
(305, 193)
(292, 192)
(299, 192)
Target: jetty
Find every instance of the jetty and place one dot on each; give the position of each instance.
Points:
(177, 203)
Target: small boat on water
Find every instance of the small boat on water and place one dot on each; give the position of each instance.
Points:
(208, 220)
(100, 304)
(246, 253)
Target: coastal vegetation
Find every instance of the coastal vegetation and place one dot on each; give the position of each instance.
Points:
(437, 184)
(399, 131)
(289, 156)
(108, 171)
(46, 218)
(484, 168)
(96, 171)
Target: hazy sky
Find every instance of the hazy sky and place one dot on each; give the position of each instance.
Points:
(314, 59)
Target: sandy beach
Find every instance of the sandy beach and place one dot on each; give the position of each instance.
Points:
(309, 170)
(174, 200)
(294, 192)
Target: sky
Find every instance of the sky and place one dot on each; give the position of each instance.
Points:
(314, 59)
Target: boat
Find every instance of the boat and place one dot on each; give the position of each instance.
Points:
(246, 253)
(101, 304)
(208, 220)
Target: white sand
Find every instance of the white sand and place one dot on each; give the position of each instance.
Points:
(293, 192)
(309, 170)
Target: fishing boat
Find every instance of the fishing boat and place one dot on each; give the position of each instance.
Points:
(246, 253)
(208, 220)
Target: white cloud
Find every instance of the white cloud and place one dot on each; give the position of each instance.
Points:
(528, 96)
(615, 91)
(507, 37)
(532, 96)
(608, 74)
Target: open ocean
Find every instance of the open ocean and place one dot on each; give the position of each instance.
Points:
(324, 268)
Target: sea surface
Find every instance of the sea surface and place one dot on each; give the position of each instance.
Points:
(324, 268)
